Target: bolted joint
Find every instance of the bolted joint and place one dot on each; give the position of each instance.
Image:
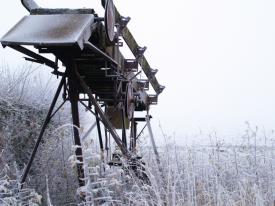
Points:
(143, 84)
(154, 71)
(119, 44)
(161, 88)
(123, 22)
(153, 99)
(131, 65)
(140, 51)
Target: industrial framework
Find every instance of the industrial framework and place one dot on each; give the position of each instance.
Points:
(96, 74)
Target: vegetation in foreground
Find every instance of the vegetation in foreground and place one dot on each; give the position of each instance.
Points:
(217, 174)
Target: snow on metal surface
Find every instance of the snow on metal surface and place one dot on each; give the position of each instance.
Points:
(51, 30)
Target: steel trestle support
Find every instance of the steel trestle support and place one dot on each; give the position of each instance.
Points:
(74, 98)
(101, 114)
(99, 132)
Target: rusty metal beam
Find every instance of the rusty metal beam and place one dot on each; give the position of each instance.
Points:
(99, 132)
(35, 56)
(124, 139)
(133, 46)
(98, 51)
(73, 98)
(43, 11)
(105, 120)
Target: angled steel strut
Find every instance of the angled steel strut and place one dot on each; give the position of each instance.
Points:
(46, 122)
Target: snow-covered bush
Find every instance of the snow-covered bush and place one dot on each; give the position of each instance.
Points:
(11, 192)
(24, 101)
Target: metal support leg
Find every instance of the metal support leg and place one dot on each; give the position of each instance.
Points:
(124, 140)
(99, 132)
(74, 97)
(161, 174)
(105, 120)
(47, 120)
(133, 135)
(153, 140)
(106, 141)
(106, 138)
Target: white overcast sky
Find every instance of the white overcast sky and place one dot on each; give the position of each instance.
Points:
(215, 57)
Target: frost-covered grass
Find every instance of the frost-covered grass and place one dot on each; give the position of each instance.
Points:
(229, 175)
(24, 100)
(215, 174)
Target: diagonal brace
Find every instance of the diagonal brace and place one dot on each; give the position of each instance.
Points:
(38, 58)
(105, 120)
(46, 122)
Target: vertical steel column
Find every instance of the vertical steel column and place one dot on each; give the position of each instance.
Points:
(99, 132)
(124, 139)
(133, 135)
(152, 140)
(74, 97)
(106, 137)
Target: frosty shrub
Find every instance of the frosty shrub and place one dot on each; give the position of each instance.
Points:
(24, 100)
(12, 194)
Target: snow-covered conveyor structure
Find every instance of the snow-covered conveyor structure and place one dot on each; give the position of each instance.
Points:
(96, 74)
